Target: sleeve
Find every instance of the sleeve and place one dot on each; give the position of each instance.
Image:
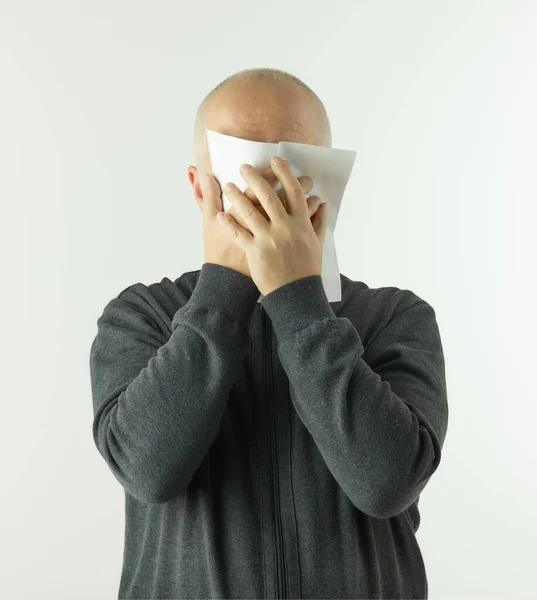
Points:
(379, 418)
(158, 402)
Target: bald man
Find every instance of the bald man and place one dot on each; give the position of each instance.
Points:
(274, 449)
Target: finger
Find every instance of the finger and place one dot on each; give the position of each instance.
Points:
(246, 209)
(212, 202)
(305, 182)
(306, 187)
(313, 205)
(268, 174)
(291, 187)
(271, 178)
(265, 194)
(240, 236)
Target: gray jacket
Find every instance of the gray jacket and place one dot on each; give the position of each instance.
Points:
(274, 449)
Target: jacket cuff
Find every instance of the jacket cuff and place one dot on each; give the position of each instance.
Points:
(226, 290)
(297, 305)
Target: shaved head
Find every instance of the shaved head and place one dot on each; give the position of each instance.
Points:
(262, 105)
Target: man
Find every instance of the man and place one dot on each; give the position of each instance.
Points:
(274, 449)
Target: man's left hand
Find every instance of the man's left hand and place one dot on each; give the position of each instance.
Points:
(289, 245)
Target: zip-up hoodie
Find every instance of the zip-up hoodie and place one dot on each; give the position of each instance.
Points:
(272, 449)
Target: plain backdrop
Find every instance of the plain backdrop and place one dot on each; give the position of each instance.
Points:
(97, 108)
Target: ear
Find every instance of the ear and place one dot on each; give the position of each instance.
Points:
(194, 178)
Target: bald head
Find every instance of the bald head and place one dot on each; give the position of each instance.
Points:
(262, 105)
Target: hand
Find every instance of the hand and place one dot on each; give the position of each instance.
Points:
(219, 247)
(288, 245)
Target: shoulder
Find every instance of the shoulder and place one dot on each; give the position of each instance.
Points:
(389, 299)
(155, 302)
(372, 309)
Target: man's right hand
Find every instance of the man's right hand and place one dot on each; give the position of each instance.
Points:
(219, 249)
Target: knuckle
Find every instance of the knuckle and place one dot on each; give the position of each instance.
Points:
(271, 199)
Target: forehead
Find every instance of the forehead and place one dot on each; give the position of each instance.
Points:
(263, 116)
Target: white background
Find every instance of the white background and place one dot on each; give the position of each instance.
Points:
(97, 108)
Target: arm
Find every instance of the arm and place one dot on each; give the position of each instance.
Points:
(379, 417)
(158, 402)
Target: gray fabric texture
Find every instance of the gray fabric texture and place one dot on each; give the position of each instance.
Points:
(274, 449)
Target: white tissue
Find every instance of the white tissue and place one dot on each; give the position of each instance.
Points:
(329, 168)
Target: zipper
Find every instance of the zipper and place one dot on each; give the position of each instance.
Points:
(281, 591)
